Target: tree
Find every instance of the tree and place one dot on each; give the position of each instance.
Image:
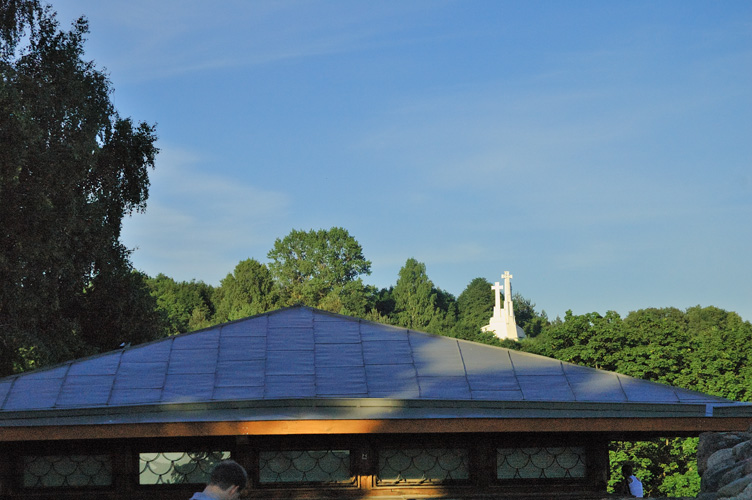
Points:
(586, 339)
(446, 319)
(474, 309)
(70, 169)
(475, 304)
(657, 339)
(381, 306)
(320, 268)
(527, 317)
(249, 290)
(718, 353)
(415, 299)
(186, 305)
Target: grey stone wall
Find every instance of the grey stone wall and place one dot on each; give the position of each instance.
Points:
(724, 462)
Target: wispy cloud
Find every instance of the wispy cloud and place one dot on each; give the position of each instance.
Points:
(172, 38)
(199, 223)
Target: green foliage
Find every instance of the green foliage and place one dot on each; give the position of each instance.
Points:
(666, 467)
(353, 299)
(320, 269)
(415, 299)
(119, 304)
(383, 305)
(475, 304)
(527, 317)
(688, 349)
(679, 476)
(588, 339)
(657, 339)
(70, 170)
(446, 317)
(201, 317)
(474, 308)
(187, 306)
(713, 367)
(248, 291)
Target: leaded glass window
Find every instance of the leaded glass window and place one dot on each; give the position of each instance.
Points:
(422, 465)
(178, 467)
(308, 466)
(540, 463)
(50, 471)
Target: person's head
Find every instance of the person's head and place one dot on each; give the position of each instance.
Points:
(627, 470)
(230, 477)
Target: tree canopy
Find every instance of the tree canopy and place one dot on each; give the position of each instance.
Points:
(319, 267)
(247, 291)
(186, 306)
(70, 170)
(476, 303)
(414, 296)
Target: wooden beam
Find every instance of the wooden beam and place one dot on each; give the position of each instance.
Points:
(664, 426)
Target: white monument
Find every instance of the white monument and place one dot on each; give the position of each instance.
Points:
(502, 322)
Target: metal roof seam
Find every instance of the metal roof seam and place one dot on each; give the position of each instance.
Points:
(514, 371)
(167, 368)
(62, 383)
(216, 364)
(412, 363)
(363, 356)
(569, 382)
(10, 390)
(266, 356)
(464, 368)
(621, 386)
(114, 376)
(315, 371)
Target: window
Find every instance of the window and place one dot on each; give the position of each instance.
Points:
(309, 466)
(178, 467)
(540, 463)
(422, 465)
(66, 470)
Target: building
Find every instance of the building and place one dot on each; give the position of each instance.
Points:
(318, 405)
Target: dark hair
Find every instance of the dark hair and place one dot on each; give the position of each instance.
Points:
(229, 473)
(627, 469)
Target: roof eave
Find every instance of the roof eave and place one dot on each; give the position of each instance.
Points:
(361, 416)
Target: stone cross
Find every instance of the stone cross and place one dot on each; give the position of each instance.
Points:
(508, 311)
(502, 323)
(497, 308)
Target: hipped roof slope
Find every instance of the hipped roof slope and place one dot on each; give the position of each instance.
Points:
(306, 354)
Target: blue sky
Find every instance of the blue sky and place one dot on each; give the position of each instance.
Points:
(599, 151)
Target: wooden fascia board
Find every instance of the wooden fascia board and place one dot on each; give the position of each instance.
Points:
(664, 425)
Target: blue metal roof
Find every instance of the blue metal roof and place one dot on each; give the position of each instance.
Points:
(306, 354)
